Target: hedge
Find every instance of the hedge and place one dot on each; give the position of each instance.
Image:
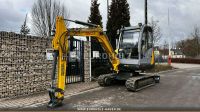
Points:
(186, 60)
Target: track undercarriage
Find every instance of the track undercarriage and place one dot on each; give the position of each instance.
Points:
(134, 82)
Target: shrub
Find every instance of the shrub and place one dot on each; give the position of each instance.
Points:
(186, 60)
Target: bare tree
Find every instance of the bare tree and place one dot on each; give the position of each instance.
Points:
(191, 46)
(156, 31)
(44, 13)
(166, 48)
(180, 45)
(196, 35)
(24, 28)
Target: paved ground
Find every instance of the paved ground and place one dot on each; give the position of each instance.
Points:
(178, 89)
(43, 98)
(183, 66)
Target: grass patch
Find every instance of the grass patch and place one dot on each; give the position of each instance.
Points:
(160, 67)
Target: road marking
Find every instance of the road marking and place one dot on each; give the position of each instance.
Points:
(178, 71)
(77, 93)
(195, 77)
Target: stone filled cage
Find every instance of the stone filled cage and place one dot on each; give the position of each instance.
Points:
(24, 68)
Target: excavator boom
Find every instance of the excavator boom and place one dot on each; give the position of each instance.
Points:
(60, 46)
(135, 52)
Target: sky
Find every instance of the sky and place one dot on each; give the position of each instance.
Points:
(184, 14)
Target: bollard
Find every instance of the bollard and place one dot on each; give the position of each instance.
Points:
(169, 60)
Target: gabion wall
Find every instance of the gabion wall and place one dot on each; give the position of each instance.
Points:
(23, 66)
(87, 49)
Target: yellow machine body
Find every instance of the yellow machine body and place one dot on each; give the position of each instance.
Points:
(61, 48)
(60, 44)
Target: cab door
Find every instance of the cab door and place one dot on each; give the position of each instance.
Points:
(146, 48)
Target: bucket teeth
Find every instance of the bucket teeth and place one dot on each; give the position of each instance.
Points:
(54, 101)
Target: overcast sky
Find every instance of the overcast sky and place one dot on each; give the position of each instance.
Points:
(184, 14)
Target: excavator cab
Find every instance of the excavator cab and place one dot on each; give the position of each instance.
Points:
(135, 48)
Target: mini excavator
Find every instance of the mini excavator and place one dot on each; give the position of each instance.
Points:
(134, 54)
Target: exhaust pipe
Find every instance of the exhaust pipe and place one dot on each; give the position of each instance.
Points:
(146, 12)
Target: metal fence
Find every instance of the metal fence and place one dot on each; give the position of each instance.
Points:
(75, 66)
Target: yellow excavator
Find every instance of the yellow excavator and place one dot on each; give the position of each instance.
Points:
(134, 52)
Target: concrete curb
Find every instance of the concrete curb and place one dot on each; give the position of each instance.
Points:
(27, 102)
(66, 96)
(168, 71)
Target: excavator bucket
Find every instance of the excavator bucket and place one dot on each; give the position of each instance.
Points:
(54, 101)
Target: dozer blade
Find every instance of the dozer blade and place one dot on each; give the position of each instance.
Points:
(141, 82)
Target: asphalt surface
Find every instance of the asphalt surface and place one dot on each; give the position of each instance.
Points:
(177, 90)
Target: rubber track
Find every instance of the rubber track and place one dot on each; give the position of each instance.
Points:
(138, 83)
(101, 79)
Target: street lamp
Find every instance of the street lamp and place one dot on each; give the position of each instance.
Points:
(169, 31)
(107, 9)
